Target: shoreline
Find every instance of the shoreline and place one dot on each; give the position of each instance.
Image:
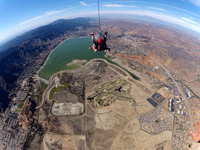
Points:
(52, 51)
(49, 56)
(74, 70)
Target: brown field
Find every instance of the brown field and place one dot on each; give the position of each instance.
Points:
(164, 92)
(178, 51)
(112, 119)
(56, 141)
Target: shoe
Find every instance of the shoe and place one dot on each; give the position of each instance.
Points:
(92, 33)
(95, 50)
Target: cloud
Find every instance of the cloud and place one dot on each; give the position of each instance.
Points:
(84, 4)
(164, 5)
(47, 14)
(117, 5)
(162, 17)
(195, 2)
(189, 20)
(54, 12)
(31, 20)
(157, 8)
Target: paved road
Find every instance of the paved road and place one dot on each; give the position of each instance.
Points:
(45, 94)
(52, 81)
(178, 87)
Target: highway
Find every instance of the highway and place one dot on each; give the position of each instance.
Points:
(178, 87)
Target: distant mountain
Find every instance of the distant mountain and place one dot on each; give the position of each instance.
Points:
(59, 27)
(147, 19)
(49, 31)
(4, 101)
(27, 52)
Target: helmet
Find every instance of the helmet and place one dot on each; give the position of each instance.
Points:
(100, 40)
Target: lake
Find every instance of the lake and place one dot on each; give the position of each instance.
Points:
(74, 48)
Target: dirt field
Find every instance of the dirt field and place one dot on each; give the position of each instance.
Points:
(163, 91)
(62, 142)
(113, 106)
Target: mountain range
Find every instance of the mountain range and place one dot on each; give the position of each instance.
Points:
(23, 56)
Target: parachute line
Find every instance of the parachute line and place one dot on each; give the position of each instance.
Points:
(99, 15)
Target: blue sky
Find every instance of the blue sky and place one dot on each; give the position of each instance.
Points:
(18, 16)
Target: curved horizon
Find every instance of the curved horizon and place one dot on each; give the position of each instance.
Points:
(17, 22)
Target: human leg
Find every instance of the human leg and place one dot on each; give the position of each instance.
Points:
(94, 47)
(93, 39)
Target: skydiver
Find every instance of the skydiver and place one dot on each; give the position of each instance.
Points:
(99, 42)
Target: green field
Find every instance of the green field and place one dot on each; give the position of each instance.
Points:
(74, 66)
(58, 89)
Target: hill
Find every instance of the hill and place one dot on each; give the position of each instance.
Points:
(50, 31)
(28, 52)
(178, 51)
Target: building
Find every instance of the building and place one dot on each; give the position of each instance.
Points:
(171, 104)
(14, 108)
(177, 100)
(12, 137)
(152, 102)
(159, 98)
(21, 96)
(157, 67)
(166, 74)
(187, 92)
(167, 87)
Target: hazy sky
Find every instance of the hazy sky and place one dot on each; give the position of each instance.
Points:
(18, 16)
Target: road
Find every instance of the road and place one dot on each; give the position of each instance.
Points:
(177, 86)
(44, 94)
(52, 81)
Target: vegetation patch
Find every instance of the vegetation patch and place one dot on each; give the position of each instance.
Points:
(74, 66)
(19, 108)
(109, 57)
(157, 121)
(134, 76)
(43, 85)
(59, 76)
(101, 102)
(58, 89)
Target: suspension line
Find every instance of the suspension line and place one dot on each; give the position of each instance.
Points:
(99, 15)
